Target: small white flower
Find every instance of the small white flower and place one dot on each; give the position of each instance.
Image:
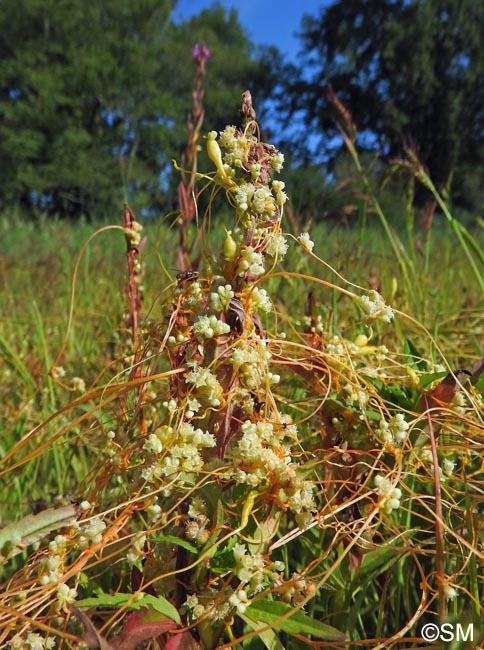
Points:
(391, 495)
(277, 161)
(154, 512)
(153, 443)
(240, 601)
(78, 384)
(448, 466)
(58, 372)
(65, 594)
(251, 261)
(394, 432)
(136, 551)
(260, 300)
(375, 308)
(449, 592)
(220, 300)
(306, 242)
(209, 326)
(33, 641)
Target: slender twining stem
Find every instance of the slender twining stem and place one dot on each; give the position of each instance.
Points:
(439, 530)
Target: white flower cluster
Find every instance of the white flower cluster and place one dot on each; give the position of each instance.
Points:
(278, 161)
(263, 201)
(78, 384)
(251, 358)
(459, 402)
(205, 385)
(243, 196)
(236, 145)
(390, 495)
(278, 188)
(261, 449)
(192, 407)
(375, 307)
(277, 246)
(91, 532)
(153, 512)
(249, 567)
(315, 325)
(207, 327)
(260, 300)
(356, 396)
(136, 549)
(133, 234)
(220, 300)
(338, 346)
(244, 353)
(450, 593)
(32, 641)
(197, 610)
(65, 594)
(255, 572)
(301, 501)
(193, 297)
(252, 262)
(305, 240)
(178, 450)
(240, 601)
(196, 526)
(297, 589)
(51, 568)
(446, 467)
(266, 458)
(394, 432)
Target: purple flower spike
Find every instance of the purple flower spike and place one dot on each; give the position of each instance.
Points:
(201, 52)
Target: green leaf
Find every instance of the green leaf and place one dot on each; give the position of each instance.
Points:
(158, 603)
(268, 636)
(402, 396)
(429, 377)
(32, 528)
(377, 562)
(414, 356)
(172, 539)
(271, 612)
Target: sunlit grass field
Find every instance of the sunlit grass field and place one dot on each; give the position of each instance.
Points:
(364, 542)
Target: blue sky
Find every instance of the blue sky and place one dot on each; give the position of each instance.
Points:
(268, 22)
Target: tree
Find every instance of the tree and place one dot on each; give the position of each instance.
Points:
(94, 98)
(404, 68)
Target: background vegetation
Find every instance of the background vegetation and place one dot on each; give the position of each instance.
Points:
(95, 98)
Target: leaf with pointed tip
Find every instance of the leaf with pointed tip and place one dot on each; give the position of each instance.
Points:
(158, 603)
(141, 626)
(294, 621)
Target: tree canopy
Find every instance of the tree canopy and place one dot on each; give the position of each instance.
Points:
(404, 68)
(94, 98)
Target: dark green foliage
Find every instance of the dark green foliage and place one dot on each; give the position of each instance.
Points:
(404, 69)
(95, 98)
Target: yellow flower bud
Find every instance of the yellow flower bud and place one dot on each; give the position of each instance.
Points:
(361, 340)
(215, 155)
(229, 248)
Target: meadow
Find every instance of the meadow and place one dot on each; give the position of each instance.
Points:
(281, 448)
